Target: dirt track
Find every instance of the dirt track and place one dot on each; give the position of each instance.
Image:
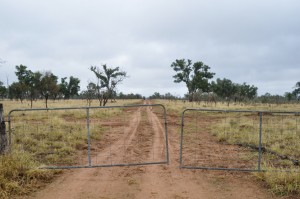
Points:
(152, 181)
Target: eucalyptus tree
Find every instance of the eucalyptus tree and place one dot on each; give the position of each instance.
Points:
(48, 86)
(225, 89)
(196, 76)
(107, 81)
(33, 86)
(3, 90)
(296, 91)
(228, 90)
(289, 96)
(28, 84)
(90, 93)
(23, 76)
(69, 89)
(15, 91)
(245, 91)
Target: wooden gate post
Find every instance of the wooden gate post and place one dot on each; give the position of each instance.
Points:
(3, 136)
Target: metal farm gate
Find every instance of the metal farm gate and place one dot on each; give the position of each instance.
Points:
(86, 137)
(240, 140)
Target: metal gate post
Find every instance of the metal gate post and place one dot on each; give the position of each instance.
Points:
(88, 135)
(9, 132)
(166, 135)
(181, 138)
(260, 142)
(3, 136)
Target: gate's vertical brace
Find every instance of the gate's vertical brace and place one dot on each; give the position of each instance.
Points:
(166, 135)
(260, 142)
(3, 137)
(88, 135)
(181, 138)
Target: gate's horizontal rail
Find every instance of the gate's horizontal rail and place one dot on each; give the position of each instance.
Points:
(105, 165)
(241, 111)
(83, 107)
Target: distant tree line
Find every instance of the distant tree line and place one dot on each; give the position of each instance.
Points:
(197, 78)
(39, 85)
(129, 96)
(167, 96)
(45, 85)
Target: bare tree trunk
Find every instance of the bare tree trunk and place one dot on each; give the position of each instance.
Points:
(3, 136)
(105, 101)
(46, 98)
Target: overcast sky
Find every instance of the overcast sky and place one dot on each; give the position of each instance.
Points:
(255, 41)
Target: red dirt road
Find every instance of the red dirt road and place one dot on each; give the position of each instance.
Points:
(152, 181)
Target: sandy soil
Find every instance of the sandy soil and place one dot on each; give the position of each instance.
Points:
(151, 181)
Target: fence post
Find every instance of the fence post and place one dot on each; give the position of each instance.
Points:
(88, 135)
(260, 141)
(3, 137)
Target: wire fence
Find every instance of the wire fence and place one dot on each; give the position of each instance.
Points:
(91, 136)
(240, 140)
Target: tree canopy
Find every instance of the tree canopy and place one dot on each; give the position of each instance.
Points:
(69, 89)
(37, 85)
(196, 76)
(228, 90)
(297, 89)
(107, 81)
(48, 86)
(3, 90)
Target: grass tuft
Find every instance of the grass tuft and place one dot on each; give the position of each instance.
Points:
(19, 174)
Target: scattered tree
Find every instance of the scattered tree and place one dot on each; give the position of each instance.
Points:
(90, 93)
(296, 92)
(22, 86)
(16, 92)
(3, 90)
(108, 79)
(246, 91)
(195, 76)
(69, 89)
(224, 88)
(289, 96)
(33, 86)
(227, 90)
(29, 83)
(48, 86)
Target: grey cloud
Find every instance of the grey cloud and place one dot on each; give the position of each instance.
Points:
(247, 41)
